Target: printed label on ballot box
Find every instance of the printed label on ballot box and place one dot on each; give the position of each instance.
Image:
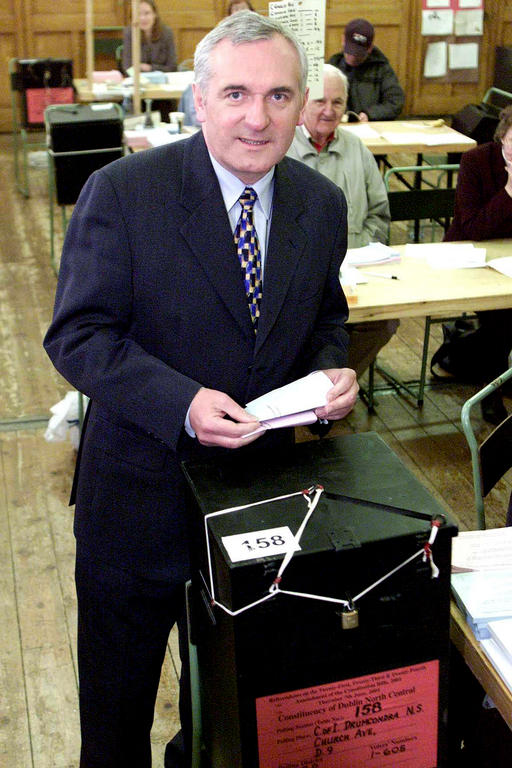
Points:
(382, 720)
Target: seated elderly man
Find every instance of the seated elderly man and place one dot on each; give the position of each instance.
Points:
(343, 158)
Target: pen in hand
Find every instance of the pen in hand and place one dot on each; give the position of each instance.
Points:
(381, 274)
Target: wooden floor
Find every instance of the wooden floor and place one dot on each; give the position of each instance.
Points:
(38, 678)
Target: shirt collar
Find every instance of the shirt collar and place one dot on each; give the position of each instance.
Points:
(231, 187)
(328, 145)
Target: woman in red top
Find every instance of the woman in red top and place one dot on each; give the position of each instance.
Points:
(483, 211)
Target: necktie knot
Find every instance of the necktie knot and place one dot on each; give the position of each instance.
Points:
(248, 198)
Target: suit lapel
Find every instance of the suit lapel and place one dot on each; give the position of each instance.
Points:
(208, 232)
(286, 245)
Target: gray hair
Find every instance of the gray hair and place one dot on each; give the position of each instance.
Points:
(330, 69)
(245, 27)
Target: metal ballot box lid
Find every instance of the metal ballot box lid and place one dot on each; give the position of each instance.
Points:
(372, 510)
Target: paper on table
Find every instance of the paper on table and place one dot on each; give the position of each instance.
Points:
(434, 139)
(447, 255)
(363, 130)
(350, 275)
(501, 632)
(500, 660)
(484, 595)
(503, 265)
(482, 550)
(468, 259)
(154, 136)
(368, 255)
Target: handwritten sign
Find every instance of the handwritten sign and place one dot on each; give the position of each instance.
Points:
(307, 20)
(380, 720)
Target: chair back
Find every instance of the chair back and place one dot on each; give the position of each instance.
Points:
(491, 458)
(416, 202)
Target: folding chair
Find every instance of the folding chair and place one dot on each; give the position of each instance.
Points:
(415, 203)
(493, 457)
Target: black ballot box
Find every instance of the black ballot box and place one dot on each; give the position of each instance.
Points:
(42, 82)
(341, 659)
(82, 138)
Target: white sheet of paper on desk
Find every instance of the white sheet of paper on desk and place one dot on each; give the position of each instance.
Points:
(484, 595)
(371, 255)
(485, 550)
(447, 255)
(362, 130)
(436, 139)
(468, 259)
(350, 275)
(500, 661)
(301, 395)
(503, 265)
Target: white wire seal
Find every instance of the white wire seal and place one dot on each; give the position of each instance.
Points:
(312, 497)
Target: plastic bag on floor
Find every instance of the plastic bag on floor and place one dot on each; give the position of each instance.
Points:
(64, 423)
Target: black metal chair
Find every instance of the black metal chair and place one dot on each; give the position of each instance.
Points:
(424, 199)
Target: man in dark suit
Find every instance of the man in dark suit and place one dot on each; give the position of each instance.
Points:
(152, 323)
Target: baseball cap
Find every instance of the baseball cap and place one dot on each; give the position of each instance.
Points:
(359, 35)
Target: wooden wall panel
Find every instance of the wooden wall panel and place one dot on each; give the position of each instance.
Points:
(33, 28)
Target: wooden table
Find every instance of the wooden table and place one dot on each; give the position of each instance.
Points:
(476, 659)
(173, 89)
(421, 290)
(416, 136)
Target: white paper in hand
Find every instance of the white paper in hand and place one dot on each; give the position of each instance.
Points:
(291, 405)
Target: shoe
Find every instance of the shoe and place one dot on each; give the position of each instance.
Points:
(493, 410)
(175, 752)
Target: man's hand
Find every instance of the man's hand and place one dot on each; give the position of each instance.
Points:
(206, 414)
(363, 117)
(343, 395)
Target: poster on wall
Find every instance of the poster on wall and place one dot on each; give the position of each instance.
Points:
(307, 19)
(449, 29)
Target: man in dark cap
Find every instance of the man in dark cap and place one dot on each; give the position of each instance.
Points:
(374, 90)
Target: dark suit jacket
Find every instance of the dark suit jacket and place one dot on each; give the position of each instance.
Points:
(483, 210)
(151, 305)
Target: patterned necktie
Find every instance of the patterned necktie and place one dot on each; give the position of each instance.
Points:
(248, 249)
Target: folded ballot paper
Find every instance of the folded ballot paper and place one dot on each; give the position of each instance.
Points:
(292, 405)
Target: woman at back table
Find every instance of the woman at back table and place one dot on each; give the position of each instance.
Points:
(157, 47)
(483, 211)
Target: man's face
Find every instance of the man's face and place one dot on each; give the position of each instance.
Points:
(322, 116)
(251, 105)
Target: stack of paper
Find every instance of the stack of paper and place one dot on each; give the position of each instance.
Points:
(482, 577)
(373, 254)
(498, 648)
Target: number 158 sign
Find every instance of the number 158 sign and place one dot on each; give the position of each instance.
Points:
(249, 546)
